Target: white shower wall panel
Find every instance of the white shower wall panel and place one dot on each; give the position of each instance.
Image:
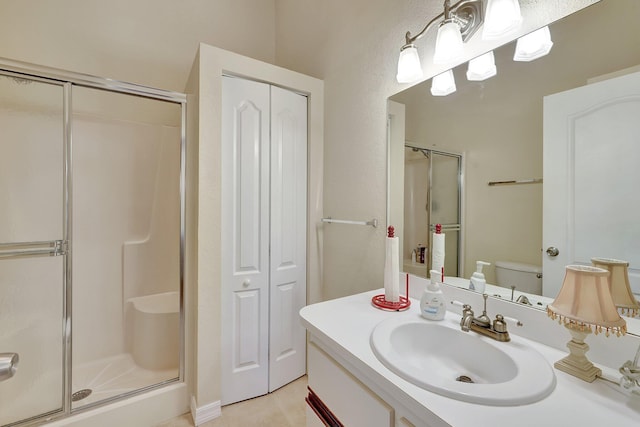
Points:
(416, 197)
(150, 265)
(119, 194)
(31, 175)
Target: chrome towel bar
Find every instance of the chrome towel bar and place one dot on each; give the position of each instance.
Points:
(517, 181)
(30, 249)
(373, 222)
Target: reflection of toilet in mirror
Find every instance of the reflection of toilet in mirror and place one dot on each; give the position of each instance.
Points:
(525, 277)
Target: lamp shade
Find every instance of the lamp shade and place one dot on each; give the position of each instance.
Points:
(501, 17)
(443, 84)
(533, 45)
(409, 67)
(448, 43)
(621, 293)
(584, 301)
(482, 67)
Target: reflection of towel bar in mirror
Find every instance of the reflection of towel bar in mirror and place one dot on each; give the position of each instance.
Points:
(519, 181)
(445, 227)
(373, 222)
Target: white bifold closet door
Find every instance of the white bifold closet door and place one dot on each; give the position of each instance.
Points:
(264, 196)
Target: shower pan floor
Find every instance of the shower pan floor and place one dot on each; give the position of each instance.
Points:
(113, 376)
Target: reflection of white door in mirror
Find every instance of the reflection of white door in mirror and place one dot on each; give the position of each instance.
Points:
(590, 209)
(395, 169)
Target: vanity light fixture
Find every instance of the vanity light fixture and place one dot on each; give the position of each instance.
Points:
(464, 17)
(503, 17)
(443, 84)
(619, 284)
(583, 304)
(409, 68)
(449, 40)
(533, 45)
(482, 67)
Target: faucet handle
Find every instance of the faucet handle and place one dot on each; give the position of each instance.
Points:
(500, 323)
(513, 320)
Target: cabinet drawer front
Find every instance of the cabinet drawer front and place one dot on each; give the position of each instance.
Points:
(348, 399)
(313, 420)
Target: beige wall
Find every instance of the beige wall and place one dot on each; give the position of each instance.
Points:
(149, 42)
(356, 57)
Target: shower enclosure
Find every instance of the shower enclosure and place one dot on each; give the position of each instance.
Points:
(432, 195)
(91, 241)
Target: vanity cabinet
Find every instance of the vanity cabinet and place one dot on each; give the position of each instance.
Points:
(351, 402)
(354, 385)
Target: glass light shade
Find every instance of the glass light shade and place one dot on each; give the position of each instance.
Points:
(443, 84)
(409, 67)
(533, 45)
(619, 285)
(584, 301)
(482, 67)
(501, 17)
(448, 43)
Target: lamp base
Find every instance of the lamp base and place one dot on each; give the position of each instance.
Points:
(576, 363)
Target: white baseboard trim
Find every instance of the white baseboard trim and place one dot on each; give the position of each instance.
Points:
(205, 413)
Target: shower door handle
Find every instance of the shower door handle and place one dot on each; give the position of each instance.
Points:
(8, 365)
(31, 249)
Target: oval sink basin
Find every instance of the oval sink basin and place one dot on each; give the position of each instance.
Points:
(462, 365)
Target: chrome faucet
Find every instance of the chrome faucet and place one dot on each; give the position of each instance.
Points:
(8, 365)
(482, 324)
(467, 317)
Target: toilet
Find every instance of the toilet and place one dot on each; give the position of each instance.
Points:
(525, 277)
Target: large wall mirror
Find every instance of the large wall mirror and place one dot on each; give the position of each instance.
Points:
(497, 124)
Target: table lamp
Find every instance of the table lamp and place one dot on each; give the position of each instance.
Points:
(584, 304)
(619, 284)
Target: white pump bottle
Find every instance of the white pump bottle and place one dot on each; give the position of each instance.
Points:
(432, 305)
(478, 282)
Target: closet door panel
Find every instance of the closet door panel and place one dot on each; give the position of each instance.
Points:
(288, 235)
(245, 239)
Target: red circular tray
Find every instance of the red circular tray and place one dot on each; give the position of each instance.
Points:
(380, 302)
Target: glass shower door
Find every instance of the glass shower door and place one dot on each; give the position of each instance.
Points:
(126, 244)
(444, 205)
(32, 248)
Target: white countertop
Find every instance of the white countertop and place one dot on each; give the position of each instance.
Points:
(342, 327)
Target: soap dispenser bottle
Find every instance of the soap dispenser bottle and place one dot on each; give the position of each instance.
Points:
(432, 305)
(478, 282)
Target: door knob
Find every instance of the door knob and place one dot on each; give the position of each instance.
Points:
(8, 365)
(552, 251)
(246, 283)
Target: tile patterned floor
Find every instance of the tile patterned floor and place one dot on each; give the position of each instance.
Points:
(284, 407)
